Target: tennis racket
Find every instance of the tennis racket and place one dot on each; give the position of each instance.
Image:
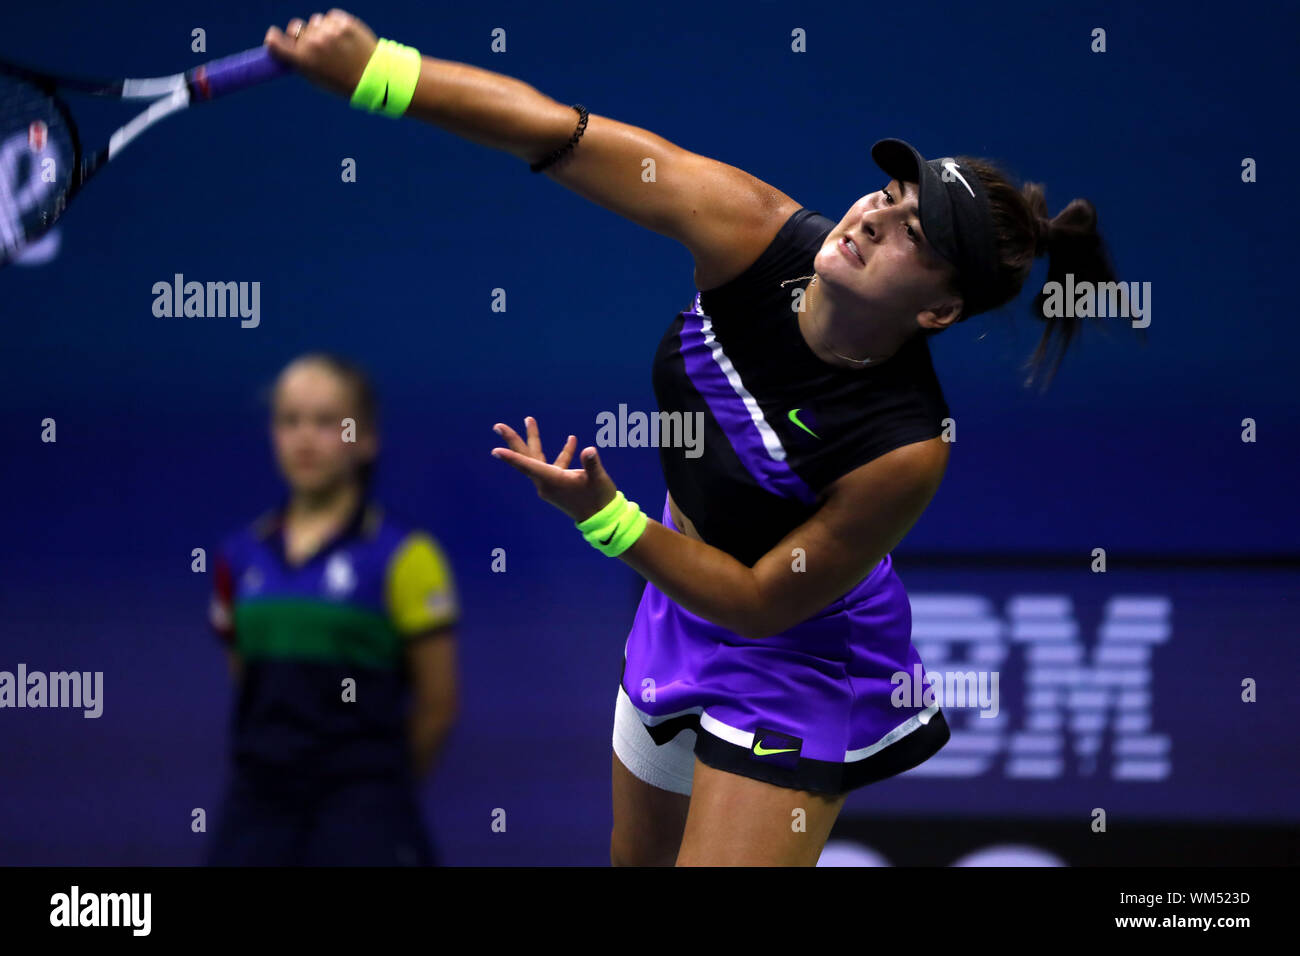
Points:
(42, 163)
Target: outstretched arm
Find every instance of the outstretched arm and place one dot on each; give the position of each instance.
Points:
(862, 517)
(722, 214)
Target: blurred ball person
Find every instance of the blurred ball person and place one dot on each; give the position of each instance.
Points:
(339, 625)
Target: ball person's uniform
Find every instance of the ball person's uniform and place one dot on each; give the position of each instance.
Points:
(322, 768)
(814, 707)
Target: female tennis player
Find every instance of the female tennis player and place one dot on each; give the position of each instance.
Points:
(763, 674)
(339, 624)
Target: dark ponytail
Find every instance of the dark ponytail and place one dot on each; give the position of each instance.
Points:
(1073, 247)
(1024, 232)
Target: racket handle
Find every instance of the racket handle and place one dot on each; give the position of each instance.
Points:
(238, 71)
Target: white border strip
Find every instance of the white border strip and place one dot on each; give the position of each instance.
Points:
(771, 442)
(153, 87)
(914, 722)
(177, 101)
(743, 738)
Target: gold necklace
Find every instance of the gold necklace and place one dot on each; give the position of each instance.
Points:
(865, 361)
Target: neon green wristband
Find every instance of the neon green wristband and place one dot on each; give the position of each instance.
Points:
(627, 536)
(403, 74)
(614, 528)
(388, 82)
(370, 88)
(602, 517)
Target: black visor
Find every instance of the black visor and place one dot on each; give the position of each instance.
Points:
(955, 216)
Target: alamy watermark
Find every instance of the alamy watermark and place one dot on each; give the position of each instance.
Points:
(26, 688)
(1126, 300)
(947, 689)
(653, 430)
(78, 909)
(208, 300)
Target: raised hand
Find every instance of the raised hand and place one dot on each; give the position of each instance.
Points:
(578, 492)
(330, 49)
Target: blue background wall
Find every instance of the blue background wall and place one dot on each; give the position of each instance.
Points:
(162, 440)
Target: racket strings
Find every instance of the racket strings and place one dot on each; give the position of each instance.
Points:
(37, 158)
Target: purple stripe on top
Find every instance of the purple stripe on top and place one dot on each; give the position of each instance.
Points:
(736, 411)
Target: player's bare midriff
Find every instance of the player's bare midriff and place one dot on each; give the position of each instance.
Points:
(683, 523)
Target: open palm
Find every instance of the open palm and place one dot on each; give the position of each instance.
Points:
(578, 492)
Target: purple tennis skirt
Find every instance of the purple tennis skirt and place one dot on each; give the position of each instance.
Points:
(815, 707)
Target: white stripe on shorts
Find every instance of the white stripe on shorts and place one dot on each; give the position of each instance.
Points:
(669, 767)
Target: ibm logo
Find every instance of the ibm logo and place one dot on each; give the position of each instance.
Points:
(1070, 701)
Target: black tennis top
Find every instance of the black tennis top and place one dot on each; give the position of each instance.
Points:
(779, 423)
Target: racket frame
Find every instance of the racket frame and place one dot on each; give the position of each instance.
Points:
(170, 93)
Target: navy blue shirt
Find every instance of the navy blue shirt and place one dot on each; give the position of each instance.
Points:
(780, 423)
